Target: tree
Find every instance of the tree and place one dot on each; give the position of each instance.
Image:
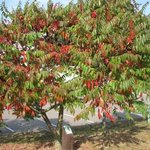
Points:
(102, 45)
(35, 64)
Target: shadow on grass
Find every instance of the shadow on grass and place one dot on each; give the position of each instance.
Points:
(32, 132)
(27, 137)
(38, 140)
(123, 132)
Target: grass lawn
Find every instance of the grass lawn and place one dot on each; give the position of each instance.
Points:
(120, 136)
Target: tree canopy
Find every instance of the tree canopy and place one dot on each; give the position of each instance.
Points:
(94, 52)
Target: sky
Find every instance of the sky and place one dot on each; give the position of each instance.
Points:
(13, 3)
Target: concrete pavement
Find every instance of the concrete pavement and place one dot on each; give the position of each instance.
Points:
(20, 125)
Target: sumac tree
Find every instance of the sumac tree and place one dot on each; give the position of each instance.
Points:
(36, 70)
(102, 46)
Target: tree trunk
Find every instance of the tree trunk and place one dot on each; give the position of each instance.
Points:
(49, 125)
(1, 118)
(60, 121)
(105, 131)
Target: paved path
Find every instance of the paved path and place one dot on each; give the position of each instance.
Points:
(21, 125)
(17, 125)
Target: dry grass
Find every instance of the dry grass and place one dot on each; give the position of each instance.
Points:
(120, 136)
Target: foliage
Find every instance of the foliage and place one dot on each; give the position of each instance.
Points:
(94, 52)
(113, 53)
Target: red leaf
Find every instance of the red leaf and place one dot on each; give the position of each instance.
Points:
(43, 102)
(27, 109)
(65, 49)
(97, 100)
(106, 61)
(131, 24)
(103, 54)
(132, 35)
(92, 84)
(2, 39)
(42, 23)
(23, 53)
(88, 84)
(96, 83)
(33, 113)
(99, 114)
(129, 40)
(17, 106)
(101, 46)
(9, 106)
(109, 116)
(55, 25)
(94, 14)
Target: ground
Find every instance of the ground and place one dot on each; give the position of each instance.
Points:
(121, 136)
